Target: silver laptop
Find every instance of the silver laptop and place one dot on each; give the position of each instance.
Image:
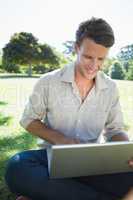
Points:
(89, 159)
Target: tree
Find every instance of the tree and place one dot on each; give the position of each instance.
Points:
(107, 65)
(129, 75)
(23, 49)
(69, 50)
(69, 47)
(47, 55)
(126, 53)
(126, 56)
(116, 71)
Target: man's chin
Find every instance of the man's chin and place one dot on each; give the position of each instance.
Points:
(91, 76)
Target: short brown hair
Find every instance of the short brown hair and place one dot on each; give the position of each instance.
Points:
(96, 29)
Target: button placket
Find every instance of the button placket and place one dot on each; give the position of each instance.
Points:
(76, 92)
(78, 122)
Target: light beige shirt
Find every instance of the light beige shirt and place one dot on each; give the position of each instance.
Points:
(56, 101)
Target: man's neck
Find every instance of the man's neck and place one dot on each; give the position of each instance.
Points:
(82, 81)
(84, 85)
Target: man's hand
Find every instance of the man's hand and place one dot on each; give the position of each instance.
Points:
(65, 140)
(129, 196)
(130, 162)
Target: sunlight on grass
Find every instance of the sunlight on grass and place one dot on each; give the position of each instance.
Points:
(126, 100)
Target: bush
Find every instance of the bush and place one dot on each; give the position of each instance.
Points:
(39, 69)
(117, 72)
(10, 67)
(129, 75)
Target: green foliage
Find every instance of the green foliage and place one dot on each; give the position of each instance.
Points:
(5, 120)
(39, 69)
(47, 55)
(0, 60)
(107, 65)
(10, 67)
(129, 75)
(20, 49)
(69, 50)
(116, 71)
(2, 103)
(10, 145)
(69, 47)
(24, 49)
(11, 142)
(126, 53)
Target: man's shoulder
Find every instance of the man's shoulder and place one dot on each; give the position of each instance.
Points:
(107, 79)
(50, 77)
(52, 74)
(55, 74)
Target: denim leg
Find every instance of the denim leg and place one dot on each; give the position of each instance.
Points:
(115, 184)
(27, 174)
(26, 171)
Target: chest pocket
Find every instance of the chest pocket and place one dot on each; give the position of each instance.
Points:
(98, 114)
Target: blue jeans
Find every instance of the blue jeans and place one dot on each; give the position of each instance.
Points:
(27, 174)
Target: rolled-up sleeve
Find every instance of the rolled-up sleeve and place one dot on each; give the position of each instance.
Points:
(37, 104)
(114, 124)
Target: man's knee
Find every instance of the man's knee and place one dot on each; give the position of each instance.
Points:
(13, 171)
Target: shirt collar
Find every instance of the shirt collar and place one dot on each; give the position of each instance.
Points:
(69, 72)
(101, 81)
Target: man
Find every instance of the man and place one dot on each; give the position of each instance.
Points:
(69, 106)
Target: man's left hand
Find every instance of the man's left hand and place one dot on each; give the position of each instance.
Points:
(130, 162)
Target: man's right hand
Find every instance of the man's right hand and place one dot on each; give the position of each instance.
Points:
(65, 140)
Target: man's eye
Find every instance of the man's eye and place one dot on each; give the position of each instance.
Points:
(88, 57)
(101, 59)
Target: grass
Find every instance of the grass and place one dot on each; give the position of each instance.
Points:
(126, 100)
(14, 93)
(13, 138)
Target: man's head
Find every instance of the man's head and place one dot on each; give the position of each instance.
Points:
(97, 30)
(94, 37)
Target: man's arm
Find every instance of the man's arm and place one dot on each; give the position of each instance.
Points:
(114, 127)
(120, 137)
(36, 110)
(39, 129)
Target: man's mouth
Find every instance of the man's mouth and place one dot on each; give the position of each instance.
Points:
(90, 71)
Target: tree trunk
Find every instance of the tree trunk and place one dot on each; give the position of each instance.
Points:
(30, 70)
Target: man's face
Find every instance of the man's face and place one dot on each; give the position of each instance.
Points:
(90, 57)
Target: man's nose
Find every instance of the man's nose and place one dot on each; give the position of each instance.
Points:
(93, 63)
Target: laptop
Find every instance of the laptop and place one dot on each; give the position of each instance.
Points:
(65, 161)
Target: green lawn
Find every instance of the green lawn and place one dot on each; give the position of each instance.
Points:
(14, 93)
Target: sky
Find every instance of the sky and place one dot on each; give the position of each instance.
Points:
(56, 21)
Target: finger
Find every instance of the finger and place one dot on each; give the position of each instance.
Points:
(130, 162)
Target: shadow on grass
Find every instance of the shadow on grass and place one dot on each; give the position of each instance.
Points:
(3, 103)
(18, 76)
(8, 147)
(5, 120)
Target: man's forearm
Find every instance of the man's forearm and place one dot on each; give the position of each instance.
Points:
(120, 137)
(39, 129)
